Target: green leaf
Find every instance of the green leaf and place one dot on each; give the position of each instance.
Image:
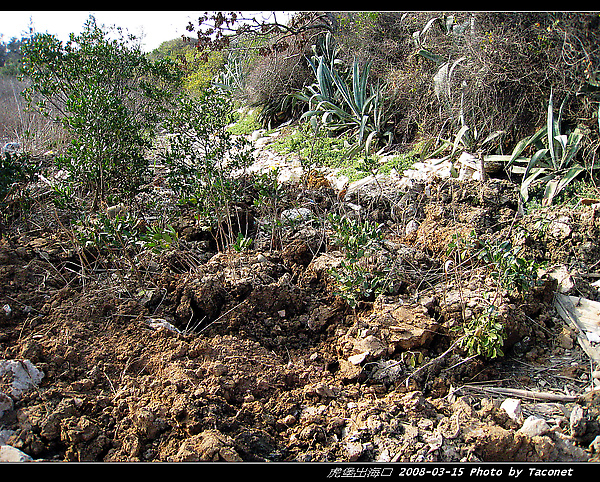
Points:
(493, 136)
(556, 185)
(438, 59)
(533, 175)
(459, 136)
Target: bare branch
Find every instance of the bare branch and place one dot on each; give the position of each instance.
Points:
(219, 30)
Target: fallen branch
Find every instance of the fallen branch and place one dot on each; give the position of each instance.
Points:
(434, 361)
(518, 393)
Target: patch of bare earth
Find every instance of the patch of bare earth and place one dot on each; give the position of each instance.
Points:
(252, 357)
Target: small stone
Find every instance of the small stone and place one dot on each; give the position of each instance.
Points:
(565, 340)
(12, 454)
(535, 426)
(113, 211)
(82, 385)
(23, 374)
(512, 407)
(218, 369)
(257, 134)
(358, 358)
(595, 445)
(354, 451)
(288, 420)
(560, 228)
(371, 345)
(296, 214)
(577, 422)
(411, 227)
(323, 390)
(261, 258)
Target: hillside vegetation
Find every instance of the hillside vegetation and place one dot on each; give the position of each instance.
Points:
(339, 238)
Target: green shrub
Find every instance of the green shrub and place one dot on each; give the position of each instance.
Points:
(13, 169)
(106, 234)
(484, 335)
(108, 96)
(357, 277)
(205, 160)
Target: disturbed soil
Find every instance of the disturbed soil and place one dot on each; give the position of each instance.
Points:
(196, 354)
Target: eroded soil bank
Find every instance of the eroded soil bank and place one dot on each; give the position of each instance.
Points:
(199, 355)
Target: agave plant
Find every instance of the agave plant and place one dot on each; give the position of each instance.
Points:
(341, 102)
(554, 160)
(232, 78)
(448, 26)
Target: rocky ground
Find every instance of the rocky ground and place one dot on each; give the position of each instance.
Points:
(199, 355)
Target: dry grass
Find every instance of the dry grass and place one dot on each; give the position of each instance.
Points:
(35, 132)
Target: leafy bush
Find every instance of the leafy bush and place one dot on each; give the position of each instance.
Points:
(13, 169)
(484, 335)
(106, 234)
(159, 239)
(504, 260)
(509, 269)
(357, 278)
(202, 69)
(205, 160)
(108, 96)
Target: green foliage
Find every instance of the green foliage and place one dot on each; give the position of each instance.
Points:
(10, 57)
(204, 159)
(108, 96)
(108, 235)
(484, 335)
(14, 168)
(469, 139)
(509, 269)
(505, 262)
(461, 249)
(356, 279)
(447, 25)
(202, 69)
(338, 101)
(316, 148)
(356, 282)
(553, 162)
(171, 49)
(232, 76)
(242, 243)
(245, 123)
(159, 239)
(357, 238)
